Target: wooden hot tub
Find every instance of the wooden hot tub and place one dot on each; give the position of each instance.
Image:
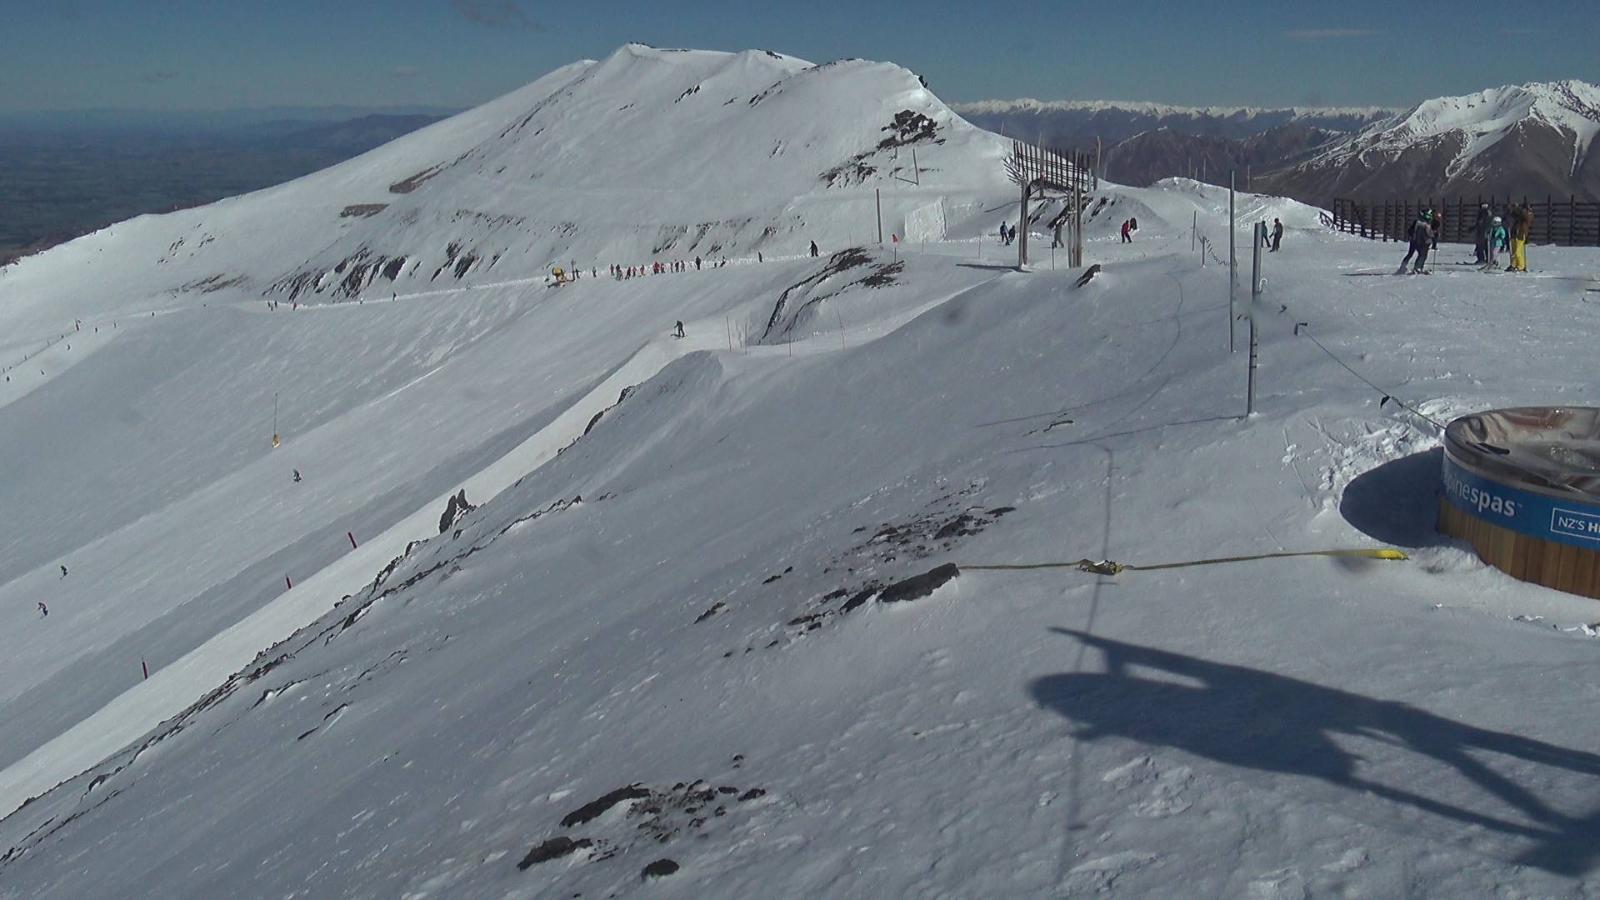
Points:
(1522, 486)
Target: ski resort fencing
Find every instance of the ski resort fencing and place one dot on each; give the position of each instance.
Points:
(1570, 222)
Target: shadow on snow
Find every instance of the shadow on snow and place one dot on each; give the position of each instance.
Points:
(1259, 720)
(1398, 502)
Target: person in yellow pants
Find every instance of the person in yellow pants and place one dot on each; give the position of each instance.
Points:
(1521, 227)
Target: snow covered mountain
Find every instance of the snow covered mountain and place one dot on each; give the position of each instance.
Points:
(507, 190)
(714, 619)
(1533, 139)
(1079, 122)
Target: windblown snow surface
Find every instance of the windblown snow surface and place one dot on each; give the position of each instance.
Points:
(699, 635)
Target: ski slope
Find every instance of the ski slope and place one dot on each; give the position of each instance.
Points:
(690, 599)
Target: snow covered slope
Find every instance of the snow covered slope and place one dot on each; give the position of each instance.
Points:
(649, 154)
(1534, 138)
(698, 637)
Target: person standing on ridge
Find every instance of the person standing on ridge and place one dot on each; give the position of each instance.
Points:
(1277, 234)
(813, 249)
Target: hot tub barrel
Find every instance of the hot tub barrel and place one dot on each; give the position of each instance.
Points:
(1522, 486)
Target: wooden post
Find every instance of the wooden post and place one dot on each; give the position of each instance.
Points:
(1022, 239)
(1572, 220)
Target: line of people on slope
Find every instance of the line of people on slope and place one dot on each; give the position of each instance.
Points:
(1491, 234)
(622, 272)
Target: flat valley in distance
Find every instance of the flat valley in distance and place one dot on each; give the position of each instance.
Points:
(65, 178)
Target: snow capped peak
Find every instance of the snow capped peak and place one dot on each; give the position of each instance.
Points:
(647, 153)
(1481, 120)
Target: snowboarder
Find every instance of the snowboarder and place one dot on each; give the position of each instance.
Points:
(1277, 235)
(1127, 231)
(813, 249)
(63, 571)
(296, 475)
(43, 610)
(679, 331)
(1421, 240)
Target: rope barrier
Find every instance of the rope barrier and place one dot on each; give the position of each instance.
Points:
(1303, 329)
(1108, 567)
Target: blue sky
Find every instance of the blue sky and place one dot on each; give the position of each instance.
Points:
(226, 54)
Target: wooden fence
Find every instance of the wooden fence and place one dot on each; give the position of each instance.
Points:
(1569, 222)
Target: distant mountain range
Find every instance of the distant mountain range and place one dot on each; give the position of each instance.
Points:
(1533, 139)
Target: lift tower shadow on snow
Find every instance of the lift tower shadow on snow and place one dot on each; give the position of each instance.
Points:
(1033, 168)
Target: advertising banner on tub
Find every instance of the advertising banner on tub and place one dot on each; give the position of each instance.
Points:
(1563, 521)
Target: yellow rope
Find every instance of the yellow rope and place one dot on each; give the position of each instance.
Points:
(1107, 567)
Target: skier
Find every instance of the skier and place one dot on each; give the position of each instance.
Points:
(1521, 228)
(1421, 240)
(1002, 232)
(296, 475)
(1127, 231)
(1437, 222)
(679, 331)
(1494, 239)
(814, 249)
(63, 571)
(43, 610)
(1277, 235)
